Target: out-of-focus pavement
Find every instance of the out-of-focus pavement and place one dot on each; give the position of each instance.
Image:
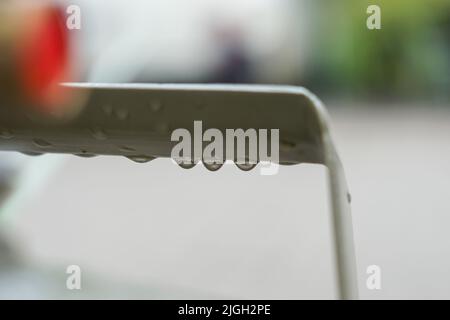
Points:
(398, 167)
(232, 234)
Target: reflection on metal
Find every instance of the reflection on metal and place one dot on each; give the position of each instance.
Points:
(126, 119)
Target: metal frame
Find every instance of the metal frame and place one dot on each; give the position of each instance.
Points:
(135, 120)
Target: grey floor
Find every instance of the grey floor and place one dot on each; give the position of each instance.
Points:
(157, 231)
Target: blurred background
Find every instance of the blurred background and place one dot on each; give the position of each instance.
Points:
(156, 231)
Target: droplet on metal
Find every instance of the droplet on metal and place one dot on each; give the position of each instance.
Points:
(349, 197)
(288, 163)
(187, 165)
(41, 143)
(213, 166)
(126, 149)
(155, 106)
(141, 159)
(286, 145)
(31, 153)
(99, 134)
(121, 114)
(107, 109)
(162, 128)
(246, 166)
(85, 155)
(6, 134)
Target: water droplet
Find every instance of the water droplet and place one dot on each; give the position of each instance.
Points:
(349, 197)
(6, 134)
(246, 166)
(121, 114)
(141, 159)
(288, 163)
(126, 149)
(99, 134)
(187, 165)
(287, 145)
(32, 153)
(107, 109)
(85, 154)
(155, 106)
(42, 143)
(213, 166)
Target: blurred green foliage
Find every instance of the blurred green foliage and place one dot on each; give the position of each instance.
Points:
(408, 58)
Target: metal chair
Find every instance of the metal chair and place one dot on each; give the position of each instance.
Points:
(135, 120)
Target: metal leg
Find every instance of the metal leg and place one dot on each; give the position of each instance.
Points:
(346, 273)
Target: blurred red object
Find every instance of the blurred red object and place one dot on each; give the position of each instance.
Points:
(43, 59)
(35, 43)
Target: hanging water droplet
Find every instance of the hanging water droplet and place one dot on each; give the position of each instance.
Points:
(42, 143)
(6, 134)
(85, 154)
(187, 165)
(246, 166)
(141, 159)
(349, 197)
(32, 153)
(288, 163)
(213, 166)
(99, 134)
(121, 114)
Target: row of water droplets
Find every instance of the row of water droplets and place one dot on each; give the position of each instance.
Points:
(217, 166)
(121, 114)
